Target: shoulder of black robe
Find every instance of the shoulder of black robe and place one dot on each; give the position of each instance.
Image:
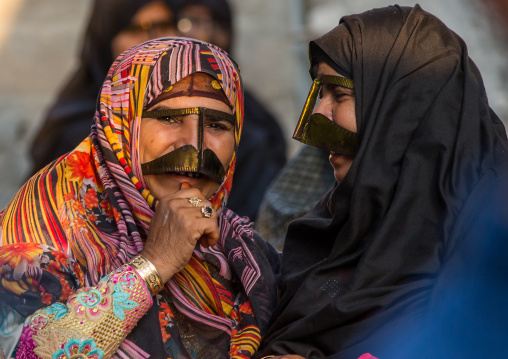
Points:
(261, 155)
(365, 260)
(69, 119)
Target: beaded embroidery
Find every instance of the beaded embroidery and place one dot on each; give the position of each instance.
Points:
(75, 348)
(58, 309)
(95, 320)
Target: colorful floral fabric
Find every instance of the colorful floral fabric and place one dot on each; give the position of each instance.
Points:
(79, 348)
(87, 213)
(94, 321)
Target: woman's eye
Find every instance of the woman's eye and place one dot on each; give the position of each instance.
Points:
(217, 126)
(168, 119)
(338, 95)
(336, 92)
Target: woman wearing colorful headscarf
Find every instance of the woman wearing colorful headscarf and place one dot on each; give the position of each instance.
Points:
(414, 146)
(123, 247)
(117, 25)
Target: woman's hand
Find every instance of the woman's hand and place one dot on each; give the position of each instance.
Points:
(175, 229)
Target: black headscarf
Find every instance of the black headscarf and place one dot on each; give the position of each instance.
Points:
(359, 269)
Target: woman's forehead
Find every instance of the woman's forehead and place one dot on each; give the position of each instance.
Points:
(197, 84)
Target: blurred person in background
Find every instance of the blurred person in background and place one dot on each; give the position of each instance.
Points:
(263, 151)
(207, 20)
(115, 26)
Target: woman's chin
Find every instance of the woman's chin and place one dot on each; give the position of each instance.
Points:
(339, 175)
(161, 185)
(341, 165)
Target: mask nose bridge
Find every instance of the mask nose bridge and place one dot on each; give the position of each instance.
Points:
(192, 132)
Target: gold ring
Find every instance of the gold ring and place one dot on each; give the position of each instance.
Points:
(206, 211)
(195, 201)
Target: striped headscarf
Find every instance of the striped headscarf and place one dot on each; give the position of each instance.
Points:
(93, 203)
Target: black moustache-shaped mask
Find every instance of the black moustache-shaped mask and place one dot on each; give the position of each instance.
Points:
(187, 159)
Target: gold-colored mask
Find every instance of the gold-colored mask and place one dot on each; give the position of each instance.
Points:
(319, 131)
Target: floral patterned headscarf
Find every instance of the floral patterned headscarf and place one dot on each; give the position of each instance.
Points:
(93, 203)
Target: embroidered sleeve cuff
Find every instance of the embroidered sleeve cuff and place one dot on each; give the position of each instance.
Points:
(94, 320)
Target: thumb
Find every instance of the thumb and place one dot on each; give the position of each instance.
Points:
(185, 185)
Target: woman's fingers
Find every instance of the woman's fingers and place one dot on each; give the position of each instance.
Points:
(185, 192)
(179, 221)
(204, 227)
(210, 235)
(188, 209)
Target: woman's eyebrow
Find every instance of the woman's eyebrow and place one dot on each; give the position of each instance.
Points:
(160, 107)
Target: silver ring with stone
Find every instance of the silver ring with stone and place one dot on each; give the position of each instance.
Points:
(206, 211)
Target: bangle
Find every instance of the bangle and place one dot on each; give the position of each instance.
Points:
(148, 272)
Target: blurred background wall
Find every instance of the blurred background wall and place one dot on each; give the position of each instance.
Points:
(39, 42)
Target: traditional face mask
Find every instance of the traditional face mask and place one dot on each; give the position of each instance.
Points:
(319, 131)
(188, 159)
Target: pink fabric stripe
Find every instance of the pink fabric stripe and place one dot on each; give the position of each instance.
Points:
(367, 356)
(129, 350)
(191, 311)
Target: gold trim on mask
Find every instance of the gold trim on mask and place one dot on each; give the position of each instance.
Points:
(189, 111)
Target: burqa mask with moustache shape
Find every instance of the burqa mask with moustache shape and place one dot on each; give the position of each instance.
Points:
(189, 160)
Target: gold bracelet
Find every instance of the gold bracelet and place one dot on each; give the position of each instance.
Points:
(148, 272)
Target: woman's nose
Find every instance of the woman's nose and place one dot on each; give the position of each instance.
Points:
(324, 108)
(189, 133)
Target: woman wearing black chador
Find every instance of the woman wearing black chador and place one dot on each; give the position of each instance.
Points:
(415, 147)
